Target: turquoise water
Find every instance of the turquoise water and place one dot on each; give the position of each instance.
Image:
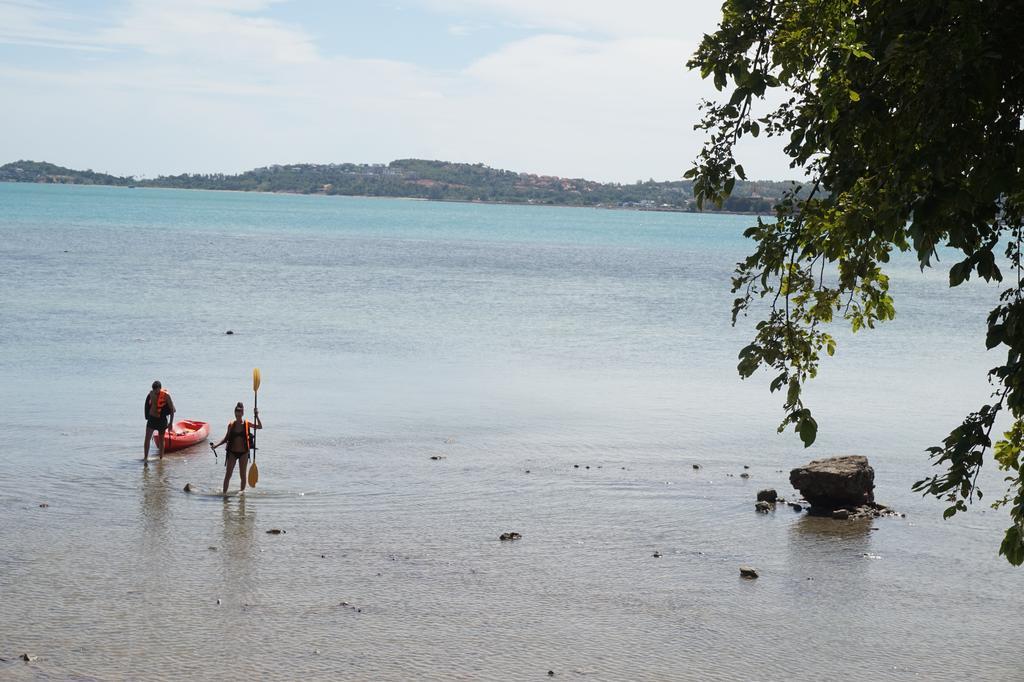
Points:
(505, 339)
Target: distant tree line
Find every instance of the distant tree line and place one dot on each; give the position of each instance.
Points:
(434, 180)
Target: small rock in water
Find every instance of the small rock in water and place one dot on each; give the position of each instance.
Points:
(212, 548)
(229, 332)
(551, 673)
(841, 514)
(436, 457)
(44, 505)
(29, 657)
(748, 572)
(510, 536)
(696, 467)
(575, 466)
(796, 507)
(767, 495)
(657, 555)
(746, 466)
(527, 471)
(275, 531)
(187, 488)
(218, 602)
(744, 475)
(588, 466)
(763, 507)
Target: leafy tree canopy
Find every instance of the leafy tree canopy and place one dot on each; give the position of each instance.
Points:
(906, 118)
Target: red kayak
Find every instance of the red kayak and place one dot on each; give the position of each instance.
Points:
(184, 434)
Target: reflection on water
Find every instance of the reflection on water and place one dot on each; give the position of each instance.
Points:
(817, 540)
(239, 551)
(810, 530)
(154, 511)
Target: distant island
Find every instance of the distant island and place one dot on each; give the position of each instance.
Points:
(420, 179)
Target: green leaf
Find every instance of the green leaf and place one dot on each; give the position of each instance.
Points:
(793, 394)
(854, 96)
(807, 428)
(1007, 454)
(959, 273)
(1012, 547)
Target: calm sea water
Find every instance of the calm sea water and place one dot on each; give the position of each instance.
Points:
(507, 340)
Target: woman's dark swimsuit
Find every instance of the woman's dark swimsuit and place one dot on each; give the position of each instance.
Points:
(236, 438)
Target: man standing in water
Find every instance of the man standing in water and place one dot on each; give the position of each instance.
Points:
(239, 440)
(158, 407)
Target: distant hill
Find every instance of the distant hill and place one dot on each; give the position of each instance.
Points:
(435, 180)
(40, 171)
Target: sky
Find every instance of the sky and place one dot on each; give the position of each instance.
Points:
(577, 88)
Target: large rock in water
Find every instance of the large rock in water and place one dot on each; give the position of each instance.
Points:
(835, 482)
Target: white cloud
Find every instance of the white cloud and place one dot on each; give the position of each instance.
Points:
(672, 19)
(218, 86)
(222, 30)
(32, 23)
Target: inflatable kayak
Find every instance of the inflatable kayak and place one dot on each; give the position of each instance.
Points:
(183, 434)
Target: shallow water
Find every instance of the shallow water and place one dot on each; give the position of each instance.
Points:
(504, 339)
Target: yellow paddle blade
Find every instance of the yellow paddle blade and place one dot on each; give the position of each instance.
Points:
(256, 379)
(254, 475)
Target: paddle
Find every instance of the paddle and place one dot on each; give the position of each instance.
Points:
(254, 473)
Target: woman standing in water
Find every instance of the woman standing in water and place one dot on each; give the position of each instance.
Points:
(239, 440)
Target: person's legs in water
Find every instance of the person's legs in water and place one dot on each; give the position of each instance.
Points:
(163, 439)
(229, 468)
(243, 467)
(145, 447)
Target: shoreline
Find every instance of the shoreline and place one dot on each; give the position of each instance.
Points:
(653, 209)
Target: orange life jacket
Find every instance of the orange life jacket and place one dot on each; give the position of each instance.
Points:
(157, 409)
(248, 442)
